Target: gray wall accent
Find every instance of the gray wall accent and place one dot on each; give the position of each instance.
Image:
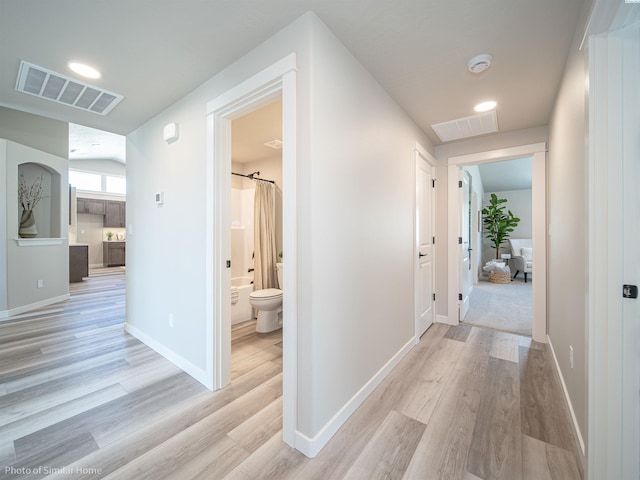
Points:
(25, 265)
(45, 134)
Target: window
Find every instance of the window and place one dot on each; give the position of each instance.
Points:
(116, 184)
(85, 181)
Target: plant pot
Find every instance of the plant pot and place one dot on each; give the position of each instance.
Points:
(27, 225)
(500, 277)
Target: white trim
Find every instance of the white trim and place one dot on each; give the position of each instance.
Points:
(32, 306)
(277, 80)
(565, 391)
(38, 242)
(500, 154)
(538, 153)
(444, 319)
(311, 446)
(256, 85)
(198, 373)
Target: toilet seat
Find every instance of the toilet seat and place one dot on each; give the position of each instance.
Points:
(266, 294)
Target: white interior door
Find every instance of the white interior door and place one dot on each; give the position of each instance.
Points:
(614, 257)
(424, 285)
(629, 39)
(466, 281)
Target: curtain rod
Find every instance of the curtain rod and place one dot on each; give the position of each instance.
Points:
(252, 176)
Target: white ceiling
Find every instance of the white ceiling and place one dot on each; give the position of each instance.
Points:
(89, 143)
(507, 175)
(250, 132)
(155, 51)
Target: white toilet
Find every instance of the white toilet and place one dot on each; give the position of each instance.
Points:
(268, 303)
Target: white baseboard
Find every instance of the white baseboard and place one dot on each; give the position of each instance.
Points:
(567, 397)
(183, 364)
(312, 446)
(33, 306)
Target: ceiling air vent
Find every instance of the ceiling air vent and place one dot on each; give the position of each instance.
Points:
(275, 144)
(467, 126)
(59, 88)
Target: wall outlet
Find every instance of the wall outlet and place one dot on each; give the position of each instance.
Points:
(570, 356)
(40, 283)
(171, 320)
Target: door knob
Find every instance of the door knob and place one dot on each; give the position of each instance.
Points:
(422, 254)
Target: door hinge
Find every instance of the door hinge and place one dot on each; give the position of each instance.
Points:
(460, 240)
(459, 296)
(433, 240)
(228, 263)
(434, 297)
(459, 183)
(433, 183)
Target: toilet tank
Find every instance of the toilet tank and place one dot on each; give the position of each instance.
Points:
(279, 273)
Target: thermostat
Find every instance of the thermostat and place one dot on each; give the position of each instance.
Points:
(159, 198)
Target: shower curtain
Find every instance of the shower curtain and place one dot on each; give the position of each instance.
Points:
(264, 236)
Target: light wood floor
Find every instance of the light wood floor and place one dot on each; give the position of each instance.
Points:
(80, 398)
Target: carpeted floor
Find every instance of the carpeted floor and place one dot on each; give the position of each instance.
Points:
(506, 307)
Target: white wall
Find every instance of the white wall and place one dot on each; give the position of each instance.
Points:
(360, 231)
(355, 226)
(567, 241)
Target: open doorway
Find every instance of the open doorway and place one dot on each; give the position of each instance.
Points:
(97, 202)
(537, 153)
(256, 237)
(276, 81)
(505, 305)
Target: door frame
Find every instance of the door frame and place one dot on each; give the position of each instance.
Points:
(422, 155)
(537, 151)
(277, 80)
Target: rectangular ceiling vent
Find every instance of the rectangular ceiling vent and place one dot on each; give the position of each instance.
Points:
(59, 88)
(467, 126)
(275, 144)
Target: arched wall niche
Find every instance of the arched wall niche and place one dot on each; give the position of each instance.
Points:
(48, 212)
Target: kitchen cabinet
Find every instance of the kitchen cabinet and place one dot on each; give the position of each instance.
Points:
(78, 262)
(91, 206)
(115, 214)
(113, 254)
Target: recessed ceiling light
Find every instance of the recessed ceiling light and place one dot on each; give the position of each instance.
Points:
(485, 106)
(84, 70)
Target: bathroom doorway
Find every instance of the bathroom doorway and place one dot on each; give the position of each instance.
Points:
(276, 81)
(256, 161)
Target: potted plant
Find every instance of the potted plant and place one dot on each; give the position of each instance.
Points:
(497, 223)
(109, 236)
(29, 197)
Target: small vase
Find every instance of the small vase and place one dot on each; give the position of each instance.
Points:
(27, 225)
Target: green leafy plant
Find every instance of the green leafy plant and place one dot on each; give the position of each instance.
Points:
(498, 224)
